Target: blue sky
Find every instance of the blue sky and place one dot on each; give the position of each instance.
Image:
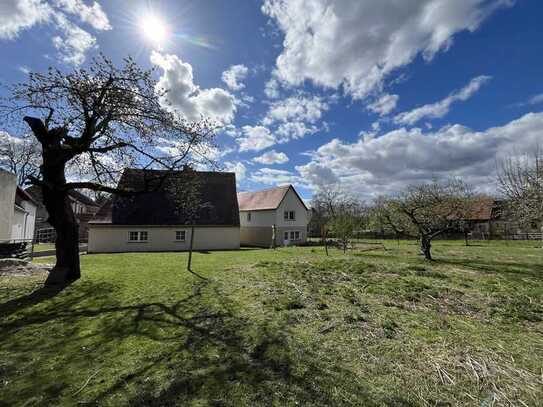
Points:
(368, 94)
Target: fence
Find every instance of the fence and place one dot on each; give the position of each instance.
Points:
(45, 235)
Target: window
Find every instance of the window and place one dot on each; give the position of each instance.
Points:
(293, 235)
(248, 216)
(289, 215)
(180, 235)
(137, 236)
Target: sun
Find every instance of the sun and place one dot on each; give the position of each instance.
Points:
(154, 29)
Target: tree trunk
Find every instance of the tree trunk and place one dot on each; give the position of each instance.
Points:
(62, 218)
(189, 262)
(325, 239)
(425, 247)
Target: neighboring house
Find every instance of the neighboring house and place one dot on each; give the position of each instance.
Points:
(162, 219)
(488, 219)
(84, 209)
(280, 208)
(17, 210)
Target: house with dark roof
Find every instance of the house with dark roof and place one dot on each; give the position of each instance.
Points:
(84, 209)
(277, 215)
(165, 210)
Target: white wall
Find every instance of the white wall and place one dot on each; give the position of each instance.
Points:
(110, 239)
(8, 185)
(31, 209)
(24, 222)
(258, 218)
(271, 217)
(292, 203)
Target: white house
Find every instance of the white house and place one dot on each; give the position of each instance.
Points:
(277, 210)
(160, 219)
(17, 210)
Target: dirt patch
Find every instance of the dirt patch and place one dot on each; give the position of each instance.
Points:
(22, 268)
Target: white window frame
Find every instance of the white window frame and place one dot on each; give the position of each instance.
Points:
(292, 235)
(248, 216)
(287, 216)
(139, 234)
(184, 233)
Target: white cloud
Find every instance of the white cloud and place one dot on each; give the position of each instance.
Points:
(316, 174)
(255, 138)
(271, 176)
(295, 117)
(356, 44)
(92, 15)
(375, 165)
(384, 104)
(294, 130)
(234, 76)
(271, 89)
(441, 108)
(237, 167)
(19, 15)
(71, 41)
(271, 157)
(75, 42)
(534, 100)
(186, 98)
(296, 108)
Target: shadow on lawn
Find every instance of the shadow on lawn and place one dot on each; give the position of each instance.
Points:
(34, 298)
(205, 352)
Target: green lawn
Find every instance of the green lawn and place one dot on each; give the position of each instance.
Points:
(283, 327)
(42, 247)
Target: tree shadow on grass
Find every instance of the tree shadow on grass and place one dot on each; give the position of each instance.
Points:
(203, 351)
(35, 297)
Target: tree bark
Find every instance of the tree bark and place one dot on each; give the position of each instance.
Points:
(189, 261)
(56, 200)
(325, 239)
(426, 247)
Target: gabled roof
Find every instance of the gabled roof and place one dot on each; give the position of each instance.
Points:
(266, 199)
(215, 202)
(22, 195)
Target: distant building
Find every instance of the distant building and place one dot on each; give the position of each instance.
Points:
(489, 219)
(17, 210)
(279, 210)
(84, 209)
(158, 220)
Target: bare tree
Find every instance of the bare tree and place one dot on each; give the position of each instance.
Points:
(520, 180)
(337, 211)
(91, 123)
(20, 155)
(426, 211)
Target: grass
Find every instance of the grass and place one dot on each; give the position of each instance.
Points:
(283, 327)
(43, 247)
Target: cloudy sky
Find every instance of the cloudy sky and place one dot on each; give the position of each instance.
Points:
(372, 94)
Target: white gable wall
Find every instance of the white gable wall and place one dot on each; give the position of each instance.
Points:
(291, 202)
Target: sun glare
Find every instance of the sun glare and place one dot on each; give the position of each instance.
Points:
(154, 29)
